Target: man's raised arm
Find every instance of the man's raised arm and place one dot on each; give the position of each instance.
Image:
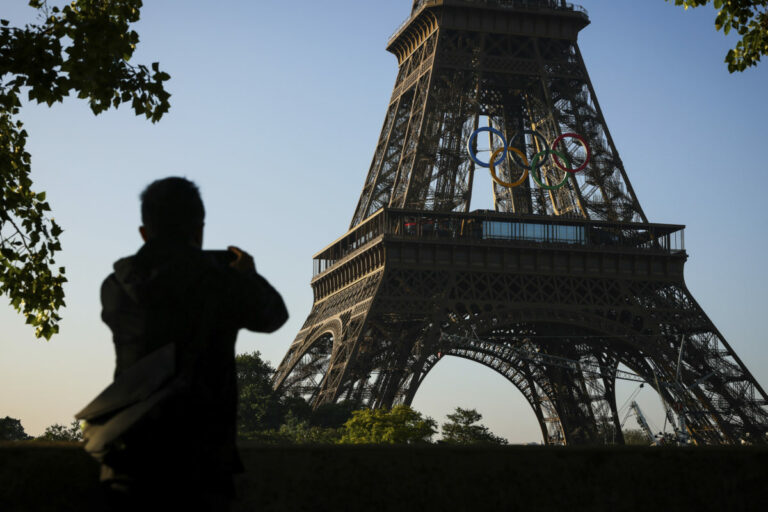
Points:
(261, 307)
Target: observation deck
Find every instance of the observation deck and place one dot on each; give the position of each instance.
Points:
(567, 18)
(486, 239)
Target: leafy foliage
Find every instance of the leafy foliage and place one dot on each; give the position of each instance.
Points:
(302, 432)
(270, 418)
(267, 417)
(58, 432)
(749, 18)
(636, 437)
(461, 429)
(607, 433)
(83, 49)
(11, 430)
(259, 408)
(400, 425)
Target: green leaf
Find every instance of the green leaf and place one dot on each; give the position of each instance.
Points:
(749, 19)
(59, 57)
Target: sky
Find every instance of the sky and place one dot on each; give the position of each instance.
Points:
(276, 110)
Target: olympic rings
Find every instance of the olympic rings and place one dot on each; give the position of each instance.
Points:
(499, 155)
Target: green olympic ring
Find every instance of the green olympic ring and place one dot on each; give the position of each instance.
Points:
(535, 172)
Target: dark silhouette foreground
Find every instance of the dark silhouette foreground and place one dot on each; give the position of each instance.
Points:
(174, 311)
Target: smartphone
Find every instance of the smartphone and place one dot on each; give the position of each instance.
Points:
(222, 257)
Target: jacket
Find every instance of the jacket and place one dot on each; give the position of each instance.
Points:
(175, 293)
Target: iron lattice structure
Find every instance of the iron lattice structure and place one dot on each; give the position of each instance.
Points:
(576, 273)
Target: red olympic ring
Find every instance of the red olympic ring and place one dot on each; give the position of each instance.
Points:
(583, 143)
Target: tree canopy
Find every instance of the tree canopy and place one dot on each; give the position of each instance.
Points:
(258, 407)
(462, 429)
(295, 431)
(749, 19)
(11, 430)
(636, 437)
(83, 49)
(399, 425)
(262, 411)
(58, 432)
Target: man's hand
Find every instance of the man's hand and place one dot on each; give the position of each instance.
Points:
(244, 262)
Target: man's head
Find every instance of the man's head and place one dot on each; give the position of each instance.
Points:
(172, 210)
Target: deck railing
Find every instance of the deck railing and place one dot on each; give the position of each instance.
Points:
(496, 228)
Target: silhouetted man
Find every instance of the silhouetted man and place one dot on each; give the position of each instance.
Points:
(182, 455)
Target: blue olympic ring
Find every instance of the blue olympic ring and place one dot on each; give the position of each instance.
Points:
(473, 153)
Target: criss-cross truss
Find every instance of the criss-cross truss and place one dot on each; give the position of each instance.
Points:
(574, 275)
(516, 64)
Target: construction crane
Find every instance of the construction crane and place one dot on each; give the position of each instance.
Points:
(682, 435)
(642, 422)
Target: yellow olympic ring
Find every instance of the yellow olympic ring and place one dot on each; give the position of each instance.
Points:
(493, 168)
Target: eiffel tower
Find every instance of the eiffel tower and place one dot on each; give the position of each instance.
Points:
(565, 268)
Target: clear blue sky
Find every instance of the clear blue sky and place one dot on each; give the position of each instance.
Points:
(276, 110)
